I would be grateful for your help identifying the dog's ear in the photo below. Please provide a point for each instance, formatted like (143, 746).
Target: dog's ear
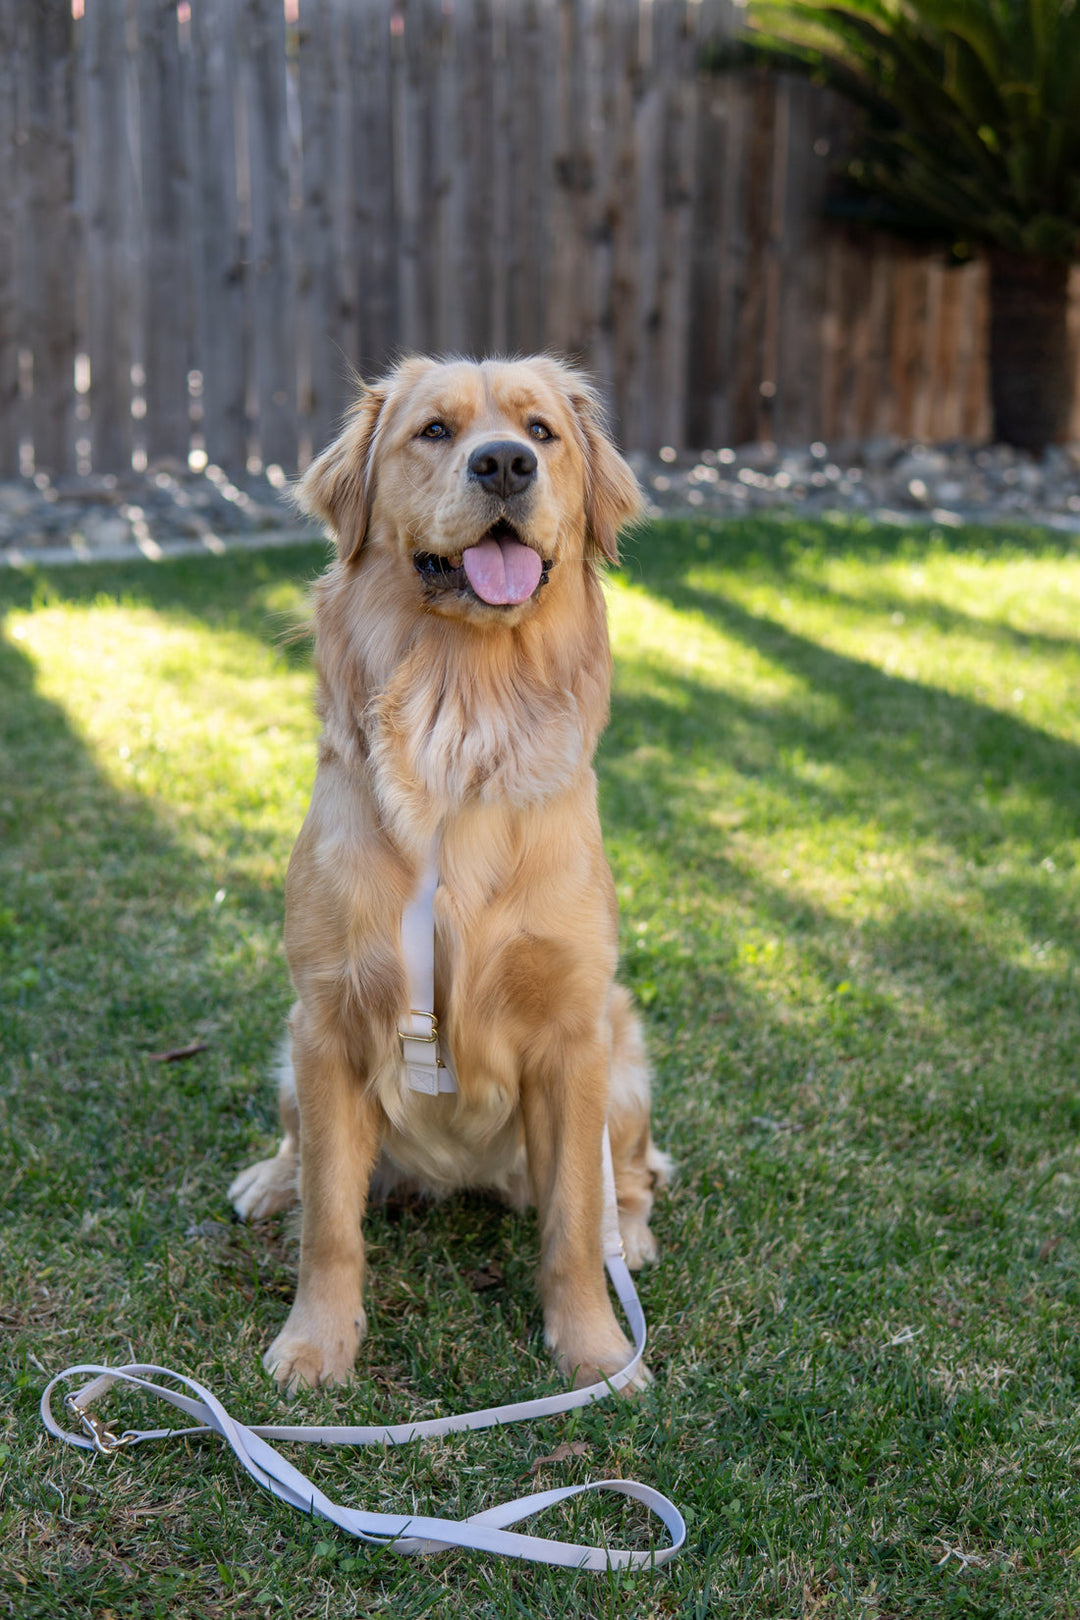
(339, 486)
(612, 497)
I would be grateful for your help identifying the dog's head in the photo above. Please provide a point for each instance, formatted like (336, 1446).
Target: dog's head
(480, 478)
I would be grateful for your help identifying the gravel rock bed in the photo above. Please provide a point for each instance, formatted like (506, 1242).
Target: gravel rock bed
(168, 510)
(172, 510)
(883, 479)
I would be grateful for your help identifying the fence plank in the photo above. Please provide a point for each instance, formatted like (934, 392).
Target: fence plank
(375, 222)
(476, 56)
(528, 165)
(857, 287)
(802, 168)
(452, 253)
(874, 397)
(621, 219)
(326, 304)
(265, 110)
(909, 309)
(923, 348)
(602, 67)
(10, 207)
(223, 334)
(638, 410)
(706, 358)
(968, 333)
(165, 123)
(408, 155)
(108, 190)
(503, 178)
(748, 245)
(540, 141)
(945, 359)
(677, 30)
(49, 161)
(344, 332)
(564, 326)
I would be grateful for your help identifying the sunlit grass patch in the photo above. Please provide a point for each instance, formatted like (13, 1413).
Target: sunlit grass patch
(197, 721)
(841, 793)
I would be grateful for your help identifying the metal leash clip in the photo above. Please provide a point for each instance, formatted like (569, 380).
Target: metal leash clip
(105, 1441)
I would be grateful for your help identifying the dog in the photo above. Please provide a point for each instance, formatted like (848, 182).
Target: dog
(463, 682)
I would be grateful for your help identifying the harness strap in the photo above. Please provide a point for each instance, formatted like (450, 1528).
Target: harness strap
(425, 1069)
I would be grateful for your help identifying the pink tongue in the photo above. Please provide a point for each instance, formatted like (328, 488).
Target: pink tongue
(502, 571)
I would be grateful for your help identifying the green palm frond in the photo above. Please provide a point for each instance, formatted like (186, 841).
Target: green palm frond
(972, 108)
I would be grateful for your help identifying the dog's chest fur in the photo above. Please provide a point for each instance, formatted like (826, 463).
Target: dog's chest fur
(441, 717)
(472, 734)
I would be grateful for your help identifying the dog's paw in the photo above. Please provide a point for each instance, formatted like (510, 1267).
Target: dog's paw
(264, 1189)
(591, 1359)
(639, 1245)
(641, 1380)
(596, 1370)
(303, 1356)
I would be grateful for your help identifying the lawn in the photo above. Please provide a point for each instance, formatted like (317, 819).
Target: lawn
(841, 794)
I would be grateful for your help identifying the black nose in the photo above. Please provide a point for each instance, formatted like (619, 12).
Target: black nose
(504, 467)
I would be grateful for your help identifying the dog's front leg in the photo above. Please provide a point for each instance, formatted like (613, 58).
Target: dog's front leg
(564, 1107)
(339, 1143)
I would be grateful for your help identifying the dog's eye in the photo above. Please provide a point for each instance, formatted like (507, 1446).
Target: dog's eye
(434, 430)
(537, 430)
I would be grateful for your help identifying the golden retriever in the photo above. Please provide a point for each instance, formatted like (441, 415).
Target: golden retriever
(464, 671)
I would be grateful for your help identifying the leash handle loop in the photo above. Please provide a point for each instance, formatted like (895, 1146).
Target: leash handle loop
(481, 1532)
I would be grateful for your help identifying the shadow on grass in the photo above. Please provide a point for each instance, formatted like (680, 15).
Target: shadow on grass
(112, 948)
(785, 553)
(918, 611)
(899, 708)
(259, 593)
(943, 966)
(782, 543)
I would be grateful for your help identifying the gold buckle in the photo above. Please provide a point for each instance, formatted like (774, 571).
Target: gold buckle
(428, 1040)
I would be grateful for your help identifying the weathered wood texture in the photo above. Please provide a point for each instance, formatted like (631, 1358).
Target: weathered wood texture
(108, 197)
(216, 212)
(12, 425)
(165, 194)
(48, 285)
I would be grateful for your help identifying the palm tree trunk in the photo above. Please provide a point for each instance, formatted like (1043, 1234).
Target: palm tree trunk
(1032, 371)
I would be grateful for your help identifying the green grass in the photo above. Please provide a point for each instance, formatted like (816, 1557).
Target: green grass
(841, 792)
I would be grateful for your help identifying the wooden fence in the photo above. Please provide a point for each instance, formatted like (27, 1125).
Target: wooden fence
(212, 211)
